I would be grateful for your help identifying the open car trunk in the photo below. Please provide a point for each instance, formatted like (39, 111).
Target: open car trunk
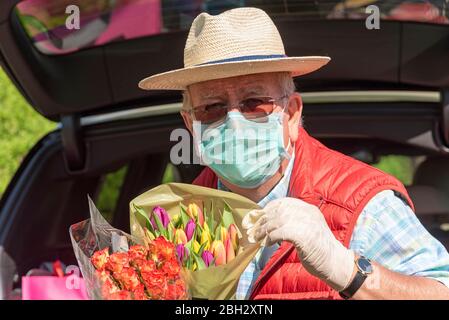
(384, 92)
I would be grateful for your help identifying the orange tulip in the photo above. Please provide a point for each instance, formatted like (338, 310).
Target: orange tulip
(180, 237)
(219, 252)
(230, 254)
(232, 231)
(200, 217)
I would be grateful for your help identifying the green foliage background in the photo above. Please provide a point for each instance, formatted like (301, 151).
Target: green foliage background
(20, 128)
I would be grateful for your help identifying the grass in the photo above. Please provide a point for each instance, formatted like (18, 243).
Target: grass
(21, 127)
(399, 166)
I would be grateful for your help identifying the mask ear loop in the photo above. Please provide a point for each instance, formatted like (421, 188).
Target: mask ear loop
(285, 152)
(197, 137)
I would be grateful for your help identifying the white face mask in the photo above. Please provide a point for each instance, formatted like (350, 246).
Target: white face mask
(243, 152)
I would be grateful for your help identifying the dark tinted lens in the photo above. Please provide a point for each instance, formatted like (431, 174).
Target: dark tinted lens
(260, 105)
(210, 113)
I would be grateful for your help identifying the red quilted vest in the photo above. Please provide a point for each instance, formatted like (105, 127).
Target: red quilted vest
(341, 187)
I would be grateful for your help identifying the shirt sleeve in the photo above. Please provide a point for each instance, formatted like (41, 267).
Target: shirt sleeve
(388, 232)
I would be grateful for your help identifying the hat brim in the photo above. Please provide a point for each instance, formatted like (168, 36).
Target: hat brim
(180, 79)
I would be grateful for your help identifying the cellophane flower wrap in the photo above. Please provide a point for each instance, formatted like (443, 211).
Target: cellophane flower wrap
(118, 266)
(205, 225)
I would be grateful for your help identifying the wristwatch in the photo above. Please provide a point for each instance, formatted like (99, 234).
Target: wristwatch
(364, 269)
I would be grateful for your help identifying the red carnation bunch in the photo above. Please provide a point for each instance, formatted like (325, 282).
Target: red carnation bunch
(141, 273)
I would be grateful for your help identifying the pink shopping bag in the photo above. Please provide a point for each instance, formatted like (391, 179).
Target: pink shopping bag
(53, 288)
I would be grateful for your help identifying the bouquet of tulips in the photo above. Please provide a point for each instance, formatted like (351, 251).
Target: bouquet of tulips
(204, 224)
(185, 242)
(200, 240)
(118, 266)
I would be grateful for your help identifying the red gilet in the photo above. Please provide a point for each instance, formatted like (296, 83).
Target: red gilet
(341, 187)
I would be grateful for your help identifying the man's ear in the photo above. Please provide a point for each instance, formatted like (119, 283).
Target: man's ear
(187, 120)
(295, 113)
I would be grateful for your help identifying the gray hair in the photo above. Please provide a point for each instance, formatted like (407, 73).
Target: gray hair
(286, 83)
(284, 80)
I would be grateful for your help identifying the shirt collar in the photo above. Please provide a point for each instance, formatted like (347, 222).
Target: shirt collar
(280, 190)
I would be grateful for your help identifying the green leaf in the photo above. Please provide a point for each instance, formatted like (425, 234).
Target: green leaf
(199, 262)
(200, 251)
(189, 261)
(189, 244)
(149, 235)
(177, 223)
(170, 232)
(184, 216)
(143, 215)
(195, 233)
(217, 233)
(198, 231)
(227, 219)
(211, 223)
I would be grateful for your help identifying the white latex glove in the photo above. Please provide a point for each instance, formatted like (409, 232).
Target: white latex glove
(303, 224)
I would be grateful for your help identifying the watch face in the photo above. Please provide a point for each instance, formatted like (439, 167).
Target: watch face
(365, 265)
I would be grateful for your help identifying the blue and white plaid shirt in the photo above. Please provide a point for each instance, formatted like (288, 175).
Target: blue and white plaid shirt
(387, 231)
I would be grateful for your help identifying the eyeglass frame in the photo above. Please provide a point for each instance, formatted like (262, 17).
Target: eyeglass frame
(228, 107)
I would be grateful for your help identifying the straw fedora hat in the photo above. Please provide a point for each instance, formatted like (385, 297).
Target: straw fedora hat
(236, 42)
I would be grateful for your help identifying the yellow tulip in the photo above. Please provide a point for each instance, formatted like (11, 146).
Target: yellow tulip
(223, 234)
(205, 239)
(196, 246)
(192, 210)
(195, 213)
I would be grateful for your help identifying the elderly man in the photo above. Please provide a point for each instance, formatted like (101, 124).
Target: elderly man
(331, 226)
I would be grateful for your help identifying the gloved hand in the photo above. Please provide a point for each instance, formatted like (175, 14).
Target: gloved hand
(303, 224)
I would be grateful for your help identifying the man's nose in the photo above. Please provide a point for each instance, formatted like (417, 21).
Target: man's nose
(233, 107)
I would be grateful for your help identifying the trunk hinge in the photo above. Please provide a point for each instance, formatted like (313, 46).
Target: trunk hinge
(73, 143)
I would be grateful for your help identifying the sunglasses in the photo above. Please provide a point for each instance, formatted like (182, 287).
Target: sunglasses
(252, 108)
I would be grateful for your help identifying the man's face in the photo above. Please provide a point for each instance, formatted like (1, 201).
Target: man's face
(232, 91)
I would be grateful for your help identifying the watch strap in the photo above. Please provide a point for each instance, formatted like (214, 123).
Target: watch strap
(355, 285)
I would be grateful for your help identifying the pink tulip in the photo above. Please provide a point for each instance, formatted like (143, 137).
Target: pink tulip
(219, 252)
(207, 257)
(162, 215)
(182, 252)
(230, 254)
(190, 229)
(232, 231)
